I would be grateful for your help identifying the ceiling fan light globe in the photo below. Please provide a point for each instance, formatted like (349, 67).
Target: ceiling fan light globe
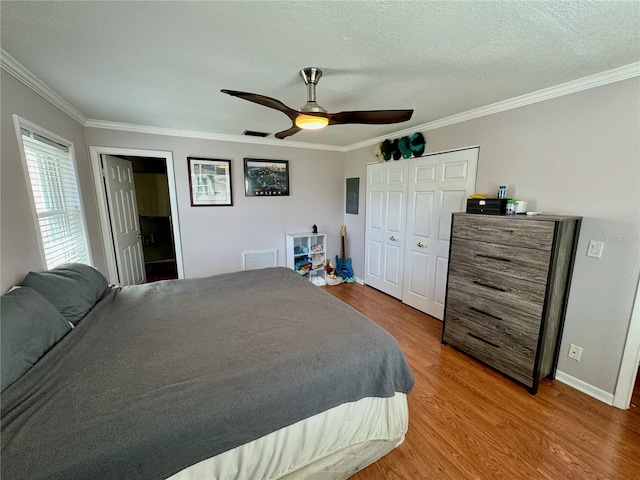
(311, 122)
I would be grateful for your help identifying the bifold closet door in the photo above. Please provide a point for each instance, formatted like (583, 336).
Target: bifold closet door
(385, 226)
(438, 185)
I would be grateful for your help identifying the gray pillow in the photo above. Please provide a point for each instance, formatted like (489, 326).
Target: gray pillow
(73, 288)
(30, 327)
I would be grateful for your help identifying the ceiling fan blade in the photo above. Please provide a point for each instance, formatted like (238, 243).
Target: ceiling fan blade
(265, 101)
(371, 117)
(287, 133)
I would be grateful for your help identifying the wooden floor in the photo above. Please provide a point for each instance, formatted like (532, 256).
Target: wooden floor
(467, 421)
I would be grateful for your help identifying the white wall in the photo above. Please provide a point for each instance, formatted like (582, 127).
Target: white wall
(19, 250)
(580, 155)
(214, 237)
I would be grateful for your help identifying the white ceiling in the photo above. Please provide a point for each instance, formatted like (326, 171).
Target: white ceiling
(162, 64)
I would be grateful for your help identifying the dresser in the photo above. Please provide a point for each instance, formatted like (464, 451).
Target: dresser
(507, 288)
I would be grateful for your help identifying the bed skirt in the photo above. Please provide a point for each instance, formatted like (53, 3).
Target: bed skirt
(333, 444)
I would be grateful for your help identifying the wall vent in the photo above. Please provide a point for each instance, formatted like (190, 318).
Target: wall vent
(259, 259)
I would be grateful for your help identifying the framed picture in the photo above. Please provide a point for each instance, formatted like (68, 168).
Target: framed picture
(266, 178)
(210, 182)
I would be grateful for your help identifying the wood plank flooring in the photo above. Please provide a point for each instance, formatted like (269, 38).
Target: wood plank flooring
(467, 421)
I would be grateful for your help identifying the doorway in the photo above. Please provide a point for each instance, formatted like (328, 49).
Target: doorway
(628, 375)
(156, 217)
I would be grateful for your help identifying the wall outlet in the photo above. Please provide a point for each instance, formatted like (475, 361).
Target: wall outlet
(575, 352)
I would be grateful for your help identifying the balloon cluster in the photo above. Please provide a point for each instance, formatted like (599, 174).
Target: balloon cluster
(398, 148)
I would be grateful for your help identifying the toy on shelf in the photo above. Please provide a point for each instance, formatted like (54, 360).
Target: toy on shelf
(298, 249)
(317, 261)
(303, 265)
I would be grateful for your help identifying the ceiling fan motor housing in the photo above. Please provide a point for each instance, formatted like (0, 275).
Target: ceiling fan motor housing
(311, 75)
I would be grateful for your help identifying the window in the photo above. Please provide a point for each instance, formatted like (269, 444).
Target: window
(54, 187)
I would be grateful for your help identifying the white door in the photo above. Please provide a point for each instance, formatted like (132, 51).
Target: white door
(385, 226)
(438, 186)
(125, 224)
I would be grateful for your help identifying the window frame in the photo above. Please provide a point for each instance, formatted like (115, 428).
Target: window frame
(20, 124)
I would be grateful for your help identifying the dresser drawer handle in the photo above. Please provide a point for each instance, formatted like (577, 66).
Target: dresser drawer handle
(483, 340)
(488, 285)
(492, 257)
(485, 313)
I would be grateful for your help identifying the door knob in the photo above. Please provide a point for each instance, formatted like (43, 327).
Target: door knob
(393, 239)
(421, 245)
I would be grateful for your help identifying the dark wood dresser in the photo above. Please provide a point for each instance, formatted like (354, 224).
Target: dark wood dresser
(507, 290)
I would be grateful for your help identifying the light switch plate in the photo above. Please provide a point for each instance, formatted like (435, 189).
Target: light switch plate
(595, 249)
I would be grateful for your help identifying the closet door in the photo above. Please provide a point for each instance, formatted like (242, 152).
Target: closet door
(385, 226)
(438, 186)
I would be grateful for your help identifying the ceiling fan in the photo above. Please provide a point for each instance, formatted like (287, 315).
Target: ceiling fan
(312, 116)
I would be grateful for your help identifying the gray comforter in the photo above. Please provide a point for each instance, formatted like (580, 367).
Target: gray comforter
(160, 376)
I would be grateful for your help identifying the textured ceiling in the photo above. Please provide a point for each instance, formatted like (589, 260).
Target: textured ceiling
(162, 64)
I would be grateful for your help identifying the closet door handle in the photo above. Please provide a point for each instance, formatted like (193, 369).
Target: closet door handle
(421, 245)
(393, 239)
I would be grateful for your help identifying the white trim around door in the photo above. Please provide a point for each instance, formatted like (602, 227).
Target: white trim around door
(95, 154)
(630, 359)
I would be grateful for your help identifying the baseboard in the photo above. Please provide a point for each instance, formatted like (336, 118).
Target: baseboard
(584, 387)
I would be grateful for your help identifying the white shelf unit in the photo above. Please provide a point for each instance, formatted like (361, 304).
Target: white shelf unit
(311, 245)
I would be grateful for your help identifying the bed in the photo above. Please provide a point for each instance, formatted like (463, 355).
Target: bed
(247, 375)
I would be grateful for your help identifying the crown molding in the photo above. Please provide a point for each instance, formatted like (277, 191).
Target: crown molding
(174, 132)
(585, 83)
(16, 69)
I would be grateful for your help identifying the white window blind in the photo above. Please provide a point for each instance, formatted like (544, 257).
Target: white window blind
(57, 200)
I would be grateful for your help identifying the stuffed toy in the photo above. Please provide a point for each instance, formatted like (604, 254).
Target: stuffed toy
(377, 151)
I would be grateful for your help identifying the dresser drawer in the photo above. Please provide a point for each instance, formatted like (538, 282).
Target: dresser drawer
(519, 262)
(519, 232)
(519, 328)
(516, 363)
(516, 293)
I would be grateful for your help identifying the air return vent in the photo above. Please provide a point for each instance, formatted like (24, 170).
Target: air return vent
(253, 133)
(259, 259)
